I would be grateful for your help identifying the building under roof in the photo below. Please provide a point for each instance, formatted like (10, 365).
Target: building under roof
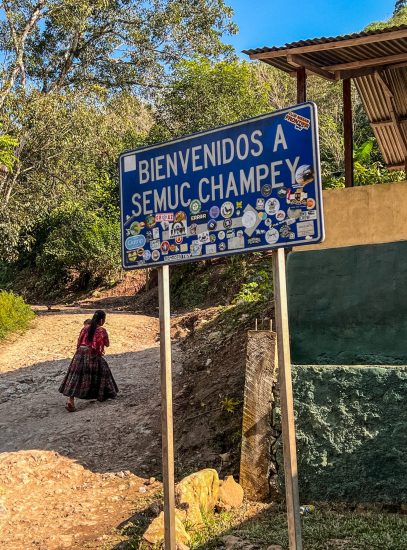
(377, 62)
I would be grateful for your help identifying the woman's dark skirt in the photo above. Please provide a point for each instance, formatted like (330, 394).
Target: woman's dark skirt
(89, 377)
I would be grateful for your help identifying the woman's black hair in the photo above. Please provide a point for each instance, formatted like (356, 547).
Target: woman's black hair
(98, 316)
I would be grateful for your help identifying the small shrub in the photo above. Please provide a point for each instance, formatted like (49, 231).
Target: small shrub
(15, 314)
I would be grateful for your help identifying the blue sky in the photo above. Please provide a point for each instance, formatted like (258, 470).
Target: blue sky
(275, 22)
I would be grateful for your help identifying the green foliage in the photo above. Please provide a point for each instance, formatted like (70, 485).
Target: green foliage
(82, 242)
(204, 94)
(15, 314)
(398, 18)
(230, 404)
(7, 146)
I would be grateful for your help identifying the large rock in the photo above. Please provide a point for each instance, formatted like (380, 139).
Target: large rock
(197, 494)
(154, 536)
(230, 494)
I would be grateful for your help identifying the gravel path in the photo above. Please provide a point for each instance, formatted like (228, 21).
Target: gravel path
(51, 459)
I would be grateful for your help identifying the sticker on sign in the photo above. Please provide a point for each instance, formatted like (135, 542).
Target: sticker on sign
(258, 180)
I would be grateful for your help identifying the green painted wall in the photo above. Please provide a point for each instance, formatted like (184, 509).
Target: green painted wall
(349, 305)
(351, 433)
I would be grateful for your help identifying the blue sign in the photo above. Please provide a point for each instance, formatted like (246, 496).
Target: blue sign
(252, 185)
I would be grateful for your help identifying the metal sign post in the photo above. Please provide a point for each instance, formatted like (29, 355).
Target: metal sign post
(286, 400)
(249, 186)
(166, 408)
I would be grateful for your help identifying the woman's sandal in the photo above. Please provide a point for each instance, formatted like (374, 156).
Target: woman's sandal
(70, 408)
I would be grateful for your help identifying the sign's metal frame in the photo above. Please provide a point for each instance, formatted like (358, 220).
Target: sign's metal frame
(296, 242)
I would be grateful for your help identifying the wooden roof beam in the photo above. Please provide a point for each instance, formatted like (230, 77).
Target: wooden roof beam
(360, 63)
(334, 45)
(301, 61)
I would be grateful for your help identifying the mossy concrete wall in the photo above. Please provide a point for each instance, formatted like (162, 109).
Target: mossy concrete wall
(351, 433)
(349, 305)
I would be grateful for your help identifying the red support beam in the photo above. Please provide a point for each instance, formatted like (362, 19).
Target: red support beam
(301, 85)
(348, 132)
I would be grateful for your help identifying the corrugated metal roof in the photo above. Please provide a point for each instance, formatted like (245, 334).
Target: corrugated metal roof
(379, 68)
(322, 40)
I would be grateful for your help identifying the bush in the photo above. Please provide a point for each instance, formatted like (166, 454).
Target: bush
(81, 241)
(15, 314)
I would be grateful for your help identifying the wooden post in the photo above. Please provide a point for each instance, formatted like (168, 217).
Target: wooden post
(348, 131)
(166, 408)
(301, 85)
(286, 399)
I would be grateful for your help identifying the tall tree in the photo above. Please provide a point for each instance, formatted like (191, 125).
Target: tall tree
(399, 5)
(54, 44)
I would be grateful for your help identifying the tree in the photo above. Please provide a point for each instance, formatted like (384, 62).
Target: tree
(55, 44)
(400, 4)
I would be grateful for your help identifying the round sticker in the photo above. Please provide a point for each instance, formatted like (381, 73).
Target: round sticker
(212, 238)
(212, 225)
(222, 246)
(282, 192)
(266, 190)
(227, 209)
(135, 228)
(239, 233)
(227, 224)
(272, 236)
(180, 217)
(272, 206)
(155, 255)
(173, 247)
(304, 174)
(280, 215)
(294, 213)
(249, 219)
(150, 221)
(195, 206)
(147, 255)
(310, 204)
(221, 235)
(267, 222)
(214, 212)
(165, 246)
(140, 252)
(179, 239)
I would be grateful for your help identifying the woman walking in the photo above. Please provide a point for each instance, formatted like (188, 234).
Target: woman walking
(89, 375)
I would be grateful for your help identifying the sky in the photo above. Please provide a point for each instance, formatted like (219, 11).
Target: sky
(276, 22)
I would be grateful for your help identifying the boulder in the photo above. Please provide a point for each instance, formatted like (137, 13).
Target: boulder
(230, 494)
(154, 536)
(197, 494)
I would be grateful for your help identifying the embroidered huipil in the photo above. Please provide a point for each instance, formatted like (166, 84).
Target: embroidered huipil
(99, 342)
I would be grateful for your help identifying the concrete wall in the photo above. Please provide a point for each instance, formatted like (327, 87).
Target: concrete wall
(351, 434)
(348, 295)
(364, 215)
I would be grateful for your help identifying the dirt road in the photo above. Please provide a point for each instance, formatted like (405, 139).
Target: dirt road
(57, 488)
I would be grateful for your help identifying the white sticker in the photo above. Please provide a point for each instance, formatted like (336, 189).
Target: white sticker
(308, 215)
(227, 209)
(272, 236)
(155, 245)
(280, 215)
(221, 235)
(156, 233)
(249, 219)
(236, 243)
(204, 237)
(210, 249)
(272, 206)
(305, 228)
(178, 229)
(129, 163)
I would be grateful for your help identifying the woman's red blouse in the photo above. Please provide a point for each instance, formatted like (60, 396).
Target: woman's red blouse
(99, 342)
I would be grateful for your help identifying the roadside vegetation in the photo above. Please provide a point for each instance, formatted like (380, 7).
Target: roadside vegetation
(15, 314)
(69, 107)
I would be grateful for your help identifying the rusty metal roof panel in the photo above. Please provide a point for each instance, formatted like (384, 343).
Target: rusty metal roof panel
(390, 135)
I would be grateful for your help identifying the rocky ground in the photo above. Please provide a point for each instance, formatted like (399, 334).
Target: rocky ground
(67, 478)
